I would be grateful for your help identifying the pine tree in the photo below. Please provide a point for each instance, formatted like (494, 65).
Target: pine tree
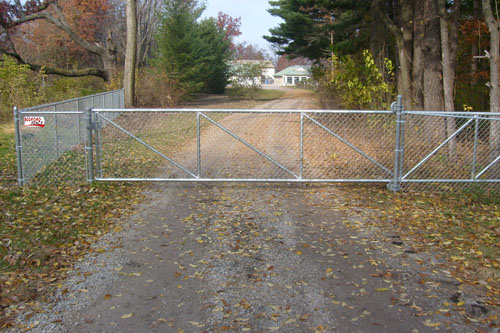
(193, 54)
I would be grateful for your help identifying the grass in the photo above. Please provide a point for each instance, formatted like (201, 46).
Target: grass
(44, 230)
(260, 95)
(8, 171)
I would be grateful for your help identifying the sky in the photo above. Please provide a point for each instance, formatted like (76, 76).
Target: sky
(255, 20)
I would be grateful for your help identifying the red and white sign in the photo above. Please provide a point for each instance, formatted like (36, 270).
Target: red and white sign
(34, 122)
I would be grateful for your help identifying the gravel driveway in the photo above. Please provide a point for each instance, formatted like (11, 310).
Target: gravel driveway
(257, 258)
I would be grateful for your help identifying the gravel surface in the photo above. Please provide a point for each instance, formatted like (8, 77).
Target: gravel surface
(265, 257)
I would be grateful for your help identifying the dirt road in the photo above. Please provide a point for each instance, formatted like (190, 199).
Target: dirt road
(258, 258)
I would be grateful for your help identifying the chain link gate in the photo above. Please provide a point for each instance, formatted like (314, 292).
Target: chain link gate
(400, 148)
(243, 145)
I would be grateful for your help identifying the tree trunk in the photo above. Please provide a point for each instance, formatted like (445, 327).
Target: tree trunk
(448, 73)
(418, 58)
(404, 77)
(378, 37)
(474, 47)
(130, 53)
(493, 27)
(433, 87)
(406, 68)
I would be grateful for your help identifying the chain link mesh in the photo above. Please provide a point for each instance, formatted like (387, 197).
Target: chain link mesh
(246, 145)
(54, 154)
(349, 146)
(274, 145)
(463, 157)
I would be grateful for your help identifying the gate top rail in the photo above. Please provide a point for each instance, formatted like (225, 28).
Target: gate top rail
(244, 111)
(452, 113)
(43, 106)
(49, 112)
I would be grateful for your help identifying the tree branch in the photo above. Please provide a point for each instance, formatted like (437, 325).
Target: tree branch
(61, 23)
(58, 71)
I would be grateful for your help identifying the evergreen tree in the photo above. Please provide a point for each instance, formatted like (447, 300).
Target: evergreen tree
(213, 56)
(176, 40)
(312, 27)
(193, 54)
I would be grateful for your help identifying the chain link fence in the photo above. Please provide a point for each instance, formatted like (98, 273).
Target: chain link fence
(50, 139)
(446, 151)
(405, 149)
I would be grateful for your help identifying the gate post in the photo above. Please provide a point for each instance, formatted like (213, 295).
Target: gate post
(397, 108)
(88, 146)
(19, 148)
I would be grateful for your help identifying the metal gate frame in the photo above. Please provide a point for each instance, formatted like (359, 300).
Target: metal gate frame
(472, 117)
(96, 116)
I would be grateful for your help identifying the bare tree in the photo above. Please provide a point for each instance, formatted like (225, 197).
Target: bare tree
(493, 27)
(403, 34)
(148, 21)
(449, 41)
(130, 53)
(147, 25)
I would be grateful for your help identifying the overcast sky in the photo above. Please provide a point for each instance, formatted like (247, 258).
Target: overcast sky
(255, 20)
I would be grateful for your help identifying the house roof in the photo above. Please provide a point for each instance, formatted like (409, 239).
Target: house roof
(294, 71)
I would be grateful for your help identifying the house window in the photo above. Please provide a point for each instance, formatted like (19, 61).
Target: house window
(289, 80)
(296, 80)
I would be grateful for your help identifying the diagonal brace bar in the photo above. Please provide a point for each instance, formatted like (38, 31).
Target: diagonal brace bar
(149, 146)
(487, 168)
(249, 146)
(356, 149)
(438, 148)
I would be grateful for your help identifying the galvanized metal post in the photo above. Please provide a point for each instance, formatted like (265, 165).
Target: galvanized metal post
(476, 138)
(198, 145)
(56, 138)
(397, 108)
(19, 148)
(301, 167)
(79, 108)
(98, 145)
(88, 146)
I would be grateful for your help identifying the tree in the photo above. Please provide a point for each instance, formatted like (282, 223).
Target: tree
(212, 56)
(403, 35)
(148, 22)
(244, 51)
(285, 61)
(130, 54)
(15, 15)
(176, 42)
(193, 53)
(493, 27)
(310, 27)
(449, 42)
(246, 79)
(230, 26)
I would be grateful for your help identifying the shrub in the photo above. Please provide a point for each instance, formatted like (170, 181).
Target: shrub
(357, 83)
(19, 86)
(155, 88)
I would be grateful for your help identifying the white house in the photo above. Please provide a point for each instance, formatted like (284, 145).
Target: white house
(267, 70)
(290, 76)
